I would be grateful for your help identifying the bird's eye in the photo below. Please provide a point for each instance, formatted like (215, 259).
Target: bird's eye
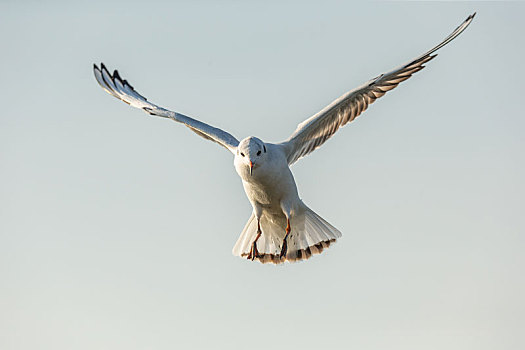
(242, 154)
(259, 153)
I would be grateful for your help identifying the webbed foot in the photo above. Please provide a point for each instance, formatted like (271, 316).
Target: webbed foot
(284, 249)
(254, 253)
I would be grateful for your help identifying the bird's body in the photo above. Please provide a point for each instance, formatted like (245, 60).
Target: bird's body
(270, 183)
(270, 187)
(281, 227)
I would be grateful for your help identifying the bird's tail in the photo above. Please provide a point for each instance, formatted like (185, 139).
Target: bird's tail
(310, 234)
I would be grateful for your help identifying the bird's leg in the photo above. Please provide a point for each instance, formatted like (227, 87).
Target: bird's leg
(284, 248)
(254, 253)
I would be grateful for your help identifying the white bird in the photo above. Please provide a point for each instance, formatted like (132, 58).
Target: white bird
(281, 227)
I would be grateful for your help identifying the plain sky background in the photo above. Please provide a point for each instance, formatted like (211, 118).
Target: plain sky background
(116, 228)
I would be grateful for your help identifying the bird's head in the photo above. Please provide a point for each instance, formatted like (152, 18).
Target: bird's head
(251, 152)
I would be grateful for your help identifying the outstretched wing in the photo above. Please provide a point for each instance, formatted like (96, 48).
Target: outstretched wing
(121, 89)
(314, 131)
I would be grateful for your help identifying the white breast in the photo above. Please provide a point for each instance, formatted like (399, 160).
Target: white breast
(270, 182)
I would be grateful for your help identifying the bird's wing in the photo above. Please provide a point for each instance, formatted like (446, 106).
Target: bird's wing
(314, 131)
(121, 89)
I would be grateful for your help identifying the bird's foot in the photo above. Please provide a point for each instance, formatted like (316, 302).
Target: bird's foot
(254, 253)
(284, 249)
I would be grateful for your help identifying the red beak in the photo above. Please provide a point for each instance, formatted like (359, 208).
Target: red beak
(251, 168)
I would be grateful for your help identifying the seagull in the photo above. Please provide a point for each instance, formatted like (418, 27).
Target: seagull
(281, 227)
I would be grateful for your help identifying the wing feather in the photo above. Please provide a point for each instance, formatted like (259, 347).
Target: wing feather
(314, 131)
(121, 89)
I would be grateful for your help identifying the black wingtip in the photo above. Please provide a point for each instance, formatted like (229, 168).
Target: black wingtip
(125, 82)
(148, 110)
(116, 75)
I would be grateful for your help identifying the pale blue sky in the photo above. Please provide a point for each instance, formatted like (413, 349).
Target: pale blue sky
(116, 228)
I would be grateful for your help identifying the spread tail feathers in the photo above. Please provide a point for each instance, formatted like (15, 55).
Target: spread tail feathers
(310, 234)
